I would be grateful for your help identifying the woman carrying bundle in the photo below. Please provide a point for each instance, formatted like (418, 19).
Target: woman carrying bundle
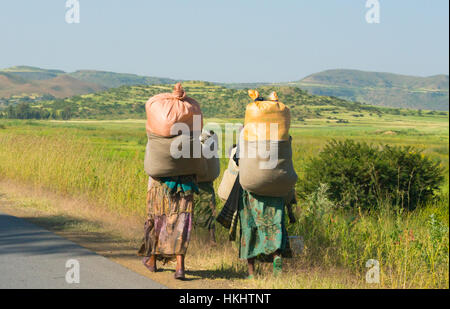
(172, 183)
(261, 191)
(266, 188)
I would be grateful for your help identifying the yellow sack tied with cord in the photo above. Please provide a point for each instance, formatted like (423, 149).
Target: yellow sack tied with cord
(259, 116)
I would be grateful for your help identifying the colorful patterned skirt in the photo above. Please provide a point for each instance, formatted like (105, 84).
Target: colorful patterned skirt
(263, 230)
(168, 226)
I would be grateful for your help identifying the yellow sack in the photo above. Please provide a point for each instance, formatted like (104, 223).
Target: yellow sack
(266, 112)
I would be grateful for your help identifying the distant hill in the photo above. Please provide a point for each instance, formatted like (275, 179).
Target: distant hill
(113, 80)
(216, 101)
(27, 80)
(383, 89)
(31, 73)
(61, 86)
(243, 85)
(373, 88)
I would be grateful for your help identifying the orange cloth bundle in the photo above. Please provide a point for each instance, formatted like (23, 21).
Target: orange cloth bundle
(266, 112)
(166, 109)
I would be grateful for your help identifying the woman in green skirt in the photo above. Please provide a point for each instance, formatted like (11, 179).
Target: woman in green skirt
(263, 232)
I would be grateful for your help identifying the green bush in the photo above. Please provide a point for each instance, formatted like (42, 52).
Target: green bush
(362, 175)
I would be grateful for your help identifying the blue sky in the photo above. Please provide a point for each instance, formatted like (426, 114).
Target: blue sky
(227, 40)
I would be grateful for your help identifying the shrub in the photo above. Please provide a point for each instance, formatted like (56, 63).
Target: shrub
(362, 175)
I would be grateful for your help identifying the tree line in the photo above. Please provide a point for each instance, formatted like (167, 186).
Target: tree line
(24, 110)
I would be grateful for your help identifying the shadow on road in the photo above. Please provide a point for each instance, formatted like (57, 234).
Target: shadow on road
(17, 236)
(216, 274)
(29, 236)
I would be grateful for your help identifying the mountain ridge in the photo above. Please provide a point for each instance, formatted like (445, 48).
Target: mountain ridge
(373, 88)
(380, 88)
(61, 86)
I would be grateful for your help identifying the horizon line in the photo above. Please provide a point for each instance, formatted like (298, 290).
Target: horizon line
(228, 82)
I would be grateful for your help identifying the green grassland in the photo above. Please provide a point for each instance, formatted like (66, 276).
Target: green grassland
(103, 162)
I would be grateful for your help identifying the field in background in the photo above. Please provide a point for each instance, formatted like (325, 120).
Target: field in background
(103, 162)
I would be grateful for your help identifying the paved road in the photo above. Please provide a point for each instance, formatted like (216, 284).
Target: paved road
(32, 257)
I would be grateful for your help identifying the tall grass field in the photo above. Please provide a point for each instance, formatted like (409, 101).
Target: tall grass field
(103, 162)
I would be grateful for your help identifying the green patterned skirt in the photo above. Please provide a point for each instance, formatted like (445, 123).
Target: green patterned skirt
(263, 230)
(205, 206)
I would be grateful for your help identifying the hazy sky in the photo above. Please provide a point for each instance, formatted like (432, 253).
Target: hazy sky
(227, 40)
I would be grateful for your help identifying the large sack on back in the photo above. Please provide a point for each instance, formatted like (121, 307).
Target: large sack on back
(166, 109)
(266, 112)
(229, 178)
(159, 162)
(209, 141)
(258, 175)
